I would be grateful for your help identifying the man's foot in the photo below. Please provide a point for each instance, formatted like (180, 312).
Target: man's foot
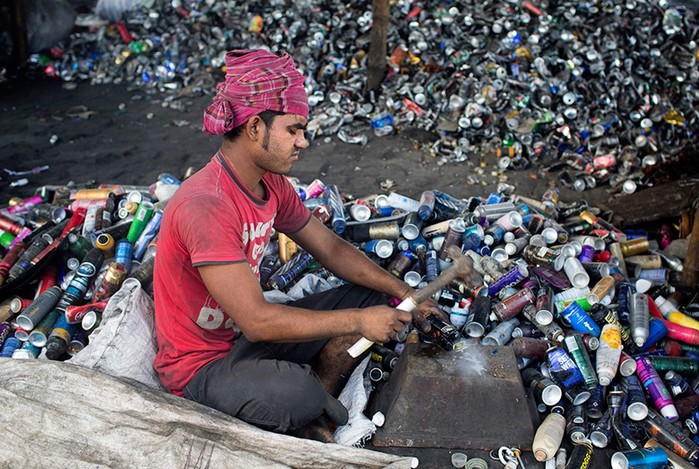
(316, 430)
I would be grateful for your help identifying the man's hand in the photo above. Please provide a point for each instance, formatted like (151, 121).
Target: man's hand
(382, 323)
(424, 309)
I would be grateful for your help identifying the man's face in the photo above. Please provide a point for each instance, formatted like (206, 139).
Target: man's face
(281, 142)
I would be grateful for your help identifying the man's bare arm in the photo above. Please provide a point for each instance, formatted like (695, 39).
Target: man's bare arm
(346, 261)
(238, 292)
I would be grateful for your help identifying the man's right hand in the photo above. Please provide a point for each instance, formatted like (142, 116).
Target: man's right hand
(382, 323)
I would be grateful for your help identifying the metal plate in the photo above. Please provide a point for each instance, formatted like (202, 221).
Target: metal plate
(471, 399)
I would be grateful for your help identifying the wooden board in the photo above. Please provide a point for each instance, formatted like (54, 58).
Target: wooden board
(654, 203)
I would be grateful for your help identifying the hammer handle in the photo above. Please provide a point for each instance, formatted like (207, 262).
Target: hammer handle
(362, 345)
(408, 304)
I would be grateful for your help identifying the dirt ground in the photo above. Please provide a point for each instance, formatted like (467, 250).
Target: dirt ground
(110, 135)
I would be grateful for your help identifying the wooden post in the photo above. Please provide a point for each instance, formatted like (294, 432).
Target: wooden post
(376, 61)
(20, 50)
(690, 272)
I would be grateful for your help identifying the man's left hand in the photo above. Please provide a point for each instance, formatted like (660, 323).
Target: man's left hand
(424, 309)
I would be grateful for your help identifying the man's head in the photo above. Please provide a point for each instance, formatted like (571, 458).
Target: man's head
(264, 101)
(256, 81)
(270, 140)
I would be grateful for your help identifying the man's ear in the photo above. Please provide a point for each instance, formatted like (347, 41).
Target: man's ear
(253, 127)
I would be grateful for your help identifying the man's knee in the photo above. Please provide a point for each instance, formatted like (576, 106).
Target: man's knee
(304, 398)
(289, 400)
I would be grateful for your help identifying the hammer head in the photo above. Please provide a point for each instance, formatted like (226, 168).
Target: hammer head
(463, 266)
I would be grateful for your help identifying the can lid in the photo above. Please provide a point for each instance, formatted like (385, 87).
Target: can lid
(58, 214)
(599, 244)
(515, 218)
(627, 367)
(569, 250)
(412, 278)
(550, 235)
(599, 439)
(581, 398)
(38, 339)
(16, 305)
(541, 455)
(670, 413)
(410, 231)
(22, 334)
(72, 263)
(90, 320)
(379, 419)
(134, 196)
(592, 298)
(475, 329)
(500, 255)
(629, 186)
(383, 248)
(360, 212)
(544, 317)
(24, 322)
(381, 201)
(551, 395)
(578, 436)
(580, 280)
(619, 461)
(637, 411)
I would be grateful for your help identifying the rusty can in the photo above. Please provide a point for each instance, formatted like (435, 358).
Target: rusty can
(401, 263)
(512, 305)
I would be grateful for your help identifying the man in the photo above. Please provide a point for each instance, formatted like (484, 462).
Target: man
(220, 343)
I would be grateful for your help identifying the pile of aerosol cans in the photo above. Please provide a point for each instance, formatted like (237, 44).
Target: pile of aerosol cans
(608, 357)
(602, 92)
(610, 360)
(66, 252)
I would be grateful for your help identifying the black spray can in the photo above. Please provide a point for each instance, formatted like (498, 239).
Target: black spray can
(480, 312)
(581, 456)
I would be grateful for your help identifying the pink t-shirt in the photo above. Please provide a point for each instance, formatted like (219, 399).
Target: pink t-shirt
(212, 219)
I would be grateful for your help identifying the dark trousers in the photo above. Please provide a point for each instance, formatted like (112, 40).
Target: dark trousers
(272, 385)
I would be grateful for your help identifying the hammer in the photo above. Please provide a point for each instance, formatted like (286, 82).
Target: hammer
(461, 266)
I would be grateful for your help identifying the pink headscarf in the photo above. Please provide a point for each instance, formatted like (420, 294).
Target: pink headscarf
(256, 81)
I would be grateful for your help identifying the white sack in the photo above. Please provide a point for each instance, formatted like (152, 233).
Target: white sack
(60, 415)
(354, 397)
(124, 343)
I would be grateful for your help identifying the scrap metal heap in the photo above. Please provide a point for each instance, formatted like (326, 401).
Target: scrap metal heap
(587, 309)
(598, 92)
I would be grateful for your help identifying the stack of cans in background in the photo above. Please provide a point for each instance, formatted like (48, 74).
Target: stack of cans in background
(603, 92)
(586, 307)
